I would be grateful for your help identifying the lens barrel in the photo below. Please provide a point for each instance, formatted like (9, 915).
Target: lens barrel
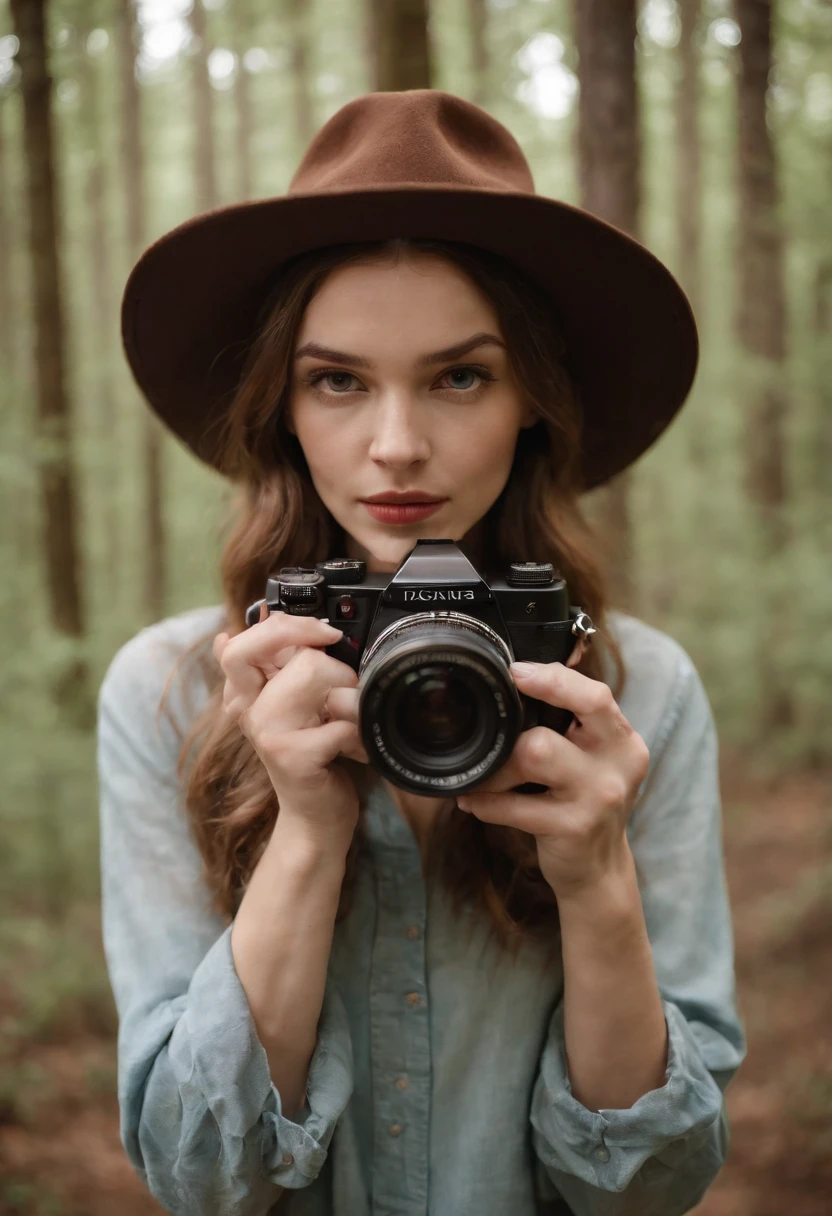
(438, 709)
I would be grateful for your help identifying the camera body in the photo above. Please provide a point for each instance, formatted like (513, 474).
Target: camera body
(438, 708)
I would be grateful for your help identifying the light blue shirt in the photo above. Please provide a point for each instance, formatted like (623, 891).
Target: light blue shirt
(438, 1085)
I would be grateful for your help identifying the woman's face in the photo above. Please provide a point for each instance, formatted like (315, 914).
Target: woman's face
(402, 383)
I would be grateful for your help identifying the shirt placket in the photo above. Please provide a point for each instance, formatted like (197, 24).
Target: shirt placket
(399, 1028)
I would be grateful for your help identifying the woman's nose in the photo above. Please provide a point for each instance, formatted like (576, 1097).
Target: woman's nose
(399, 436)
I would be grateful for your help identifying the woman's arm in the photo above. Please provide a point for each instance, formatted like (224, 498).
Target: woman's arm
(627, 1141)
(281, 941)
(615, 804)
(202, 1120)
(614, 1025)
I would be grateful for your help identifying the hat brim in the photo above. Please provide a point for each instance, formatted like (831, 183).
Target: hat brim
(191, 301)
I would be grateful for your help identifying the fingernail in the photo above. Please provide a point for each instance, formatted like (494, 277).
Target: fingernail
(523, 669)
(462, 803)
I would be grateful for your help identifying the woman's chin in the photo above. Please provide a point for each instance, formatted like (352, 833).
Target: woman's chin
(385, 551)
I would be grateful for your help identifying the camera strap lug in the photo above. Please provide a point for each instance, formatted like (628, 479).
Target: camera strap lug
(582, 627)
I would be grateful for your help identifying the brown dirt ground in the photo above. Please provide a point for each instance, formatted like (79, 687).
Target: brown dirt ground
(778, 845)
(65, 1158)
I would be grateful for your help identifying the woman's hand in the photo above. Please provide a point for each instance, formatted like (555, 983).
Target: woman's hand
(593, 773)
(299, 708)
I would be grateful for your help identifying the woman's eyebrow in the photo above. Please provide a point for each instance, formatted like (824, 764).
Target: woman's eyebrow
(460, 349)
(313, 350)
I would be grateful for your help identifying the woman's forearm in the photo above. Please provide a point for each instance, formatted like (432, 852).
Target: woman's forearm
(281, 941)
(614, 1024)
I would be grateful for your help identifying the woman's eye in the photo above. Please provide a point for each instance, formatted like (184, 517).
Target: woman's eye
(338, 382)
(462, 379)
(466, 378)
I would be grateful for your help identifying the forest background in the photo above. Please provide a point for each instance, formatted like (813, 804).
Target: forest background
(703, 127)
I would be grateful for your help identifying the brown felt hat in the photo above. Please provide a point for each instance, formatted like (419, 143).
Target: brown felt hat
(421, 164)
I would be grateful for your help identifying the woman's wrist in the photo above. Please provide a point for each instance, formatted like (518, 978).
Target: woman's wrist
(306, 845)
(610, 888)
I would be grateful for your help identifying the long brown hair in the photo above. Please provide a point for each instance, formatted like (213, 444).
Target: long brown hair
(280, 520)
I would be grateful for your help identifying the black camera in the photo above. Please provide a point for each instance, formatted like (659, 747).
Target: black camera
(438, 708)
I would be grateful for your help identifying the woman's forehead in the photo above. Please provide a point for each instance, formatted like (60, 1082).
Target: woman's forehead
(426, 303)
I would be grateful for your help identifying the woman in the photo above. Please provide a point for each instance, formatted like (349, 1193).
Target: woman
(336, 996)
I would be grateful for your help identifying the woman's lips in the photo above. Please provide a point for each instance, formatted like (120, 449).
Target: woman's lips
(402, 513)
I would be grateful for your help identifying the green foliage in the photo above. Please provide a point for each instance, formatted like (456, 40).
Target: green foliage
(60, 987)
(24, 1198)
(23, 1085)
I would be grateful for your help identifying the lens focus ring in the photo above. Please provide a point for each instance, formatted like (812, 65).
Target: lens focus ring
(457, 619)
(438, 710)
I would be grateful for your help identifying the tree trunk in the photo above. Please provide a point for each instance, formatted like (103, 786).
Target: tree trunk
(761, 326)
(205, 172)
(301, 88)
(6, 305)
(56, 471)
(609, 166)
(761, 318)
(401, 45)
(689, 180)
(20, 522)
(688, 154)
(154, 583)
(98, 244)
(240, 15)
(480, 64)
(820, 457)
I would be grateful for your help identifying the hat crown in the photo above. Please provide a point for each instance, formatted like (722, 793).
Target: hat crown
(419, 137)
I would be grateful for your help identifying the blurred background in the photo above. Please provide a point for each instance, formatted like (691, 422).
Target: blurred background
(703, 127)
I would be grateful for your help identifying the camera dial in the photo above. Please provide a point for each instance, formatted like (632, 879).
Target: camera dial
(342, 570)
(300, 590)
(530, 574)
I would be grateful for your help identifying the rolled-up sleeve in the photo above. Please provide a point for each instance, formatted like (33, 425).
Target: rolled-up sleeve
(658, 1157)
(201, 1121)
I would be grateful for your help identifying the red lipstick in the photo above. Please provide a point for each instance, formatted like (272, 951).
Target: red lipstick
(402, 506)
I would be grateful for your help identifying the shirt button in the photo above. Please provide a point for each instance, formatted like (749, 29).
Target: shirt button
(413, 998)
(413, 932)
(394, 1129)
(602, 1153)
(287, 1158)
(402, 1082)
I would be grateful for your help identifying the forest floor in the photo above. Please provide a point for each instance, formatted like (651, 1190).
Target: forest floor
(60, 1153)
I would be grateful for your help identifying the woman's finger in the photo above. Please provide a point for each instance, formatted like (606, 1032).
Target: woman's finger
(248, 658)
(526, 814)
(599, 721)
(578, 651)
(343, 703)
(342, 706)
(543, 756)
(295, 697)
(355, 750)
(295, 758)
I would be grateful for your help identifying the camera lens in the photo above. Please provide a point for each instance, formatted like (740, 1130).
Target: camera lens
(438, 710)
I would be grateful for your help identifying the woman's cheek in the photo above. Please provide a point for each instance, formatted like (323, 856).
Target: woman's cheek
(490, 463)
